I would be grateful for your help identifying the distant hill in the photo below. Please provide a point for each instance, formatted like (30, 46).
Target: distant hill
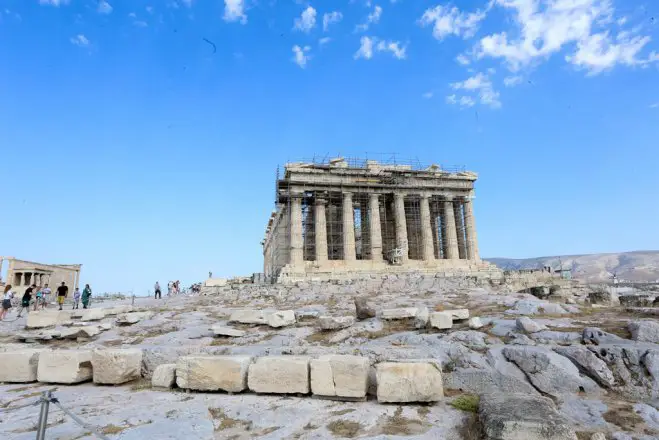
(637, 266)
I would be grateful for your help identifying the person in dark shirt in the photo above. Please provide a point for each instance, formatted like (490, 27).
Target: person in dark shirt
(62, 291)
(25, 301)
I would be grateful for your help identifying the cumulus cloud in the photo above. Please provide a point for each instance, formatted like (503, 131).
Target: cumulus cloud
(55, 3)
(428, 95)
(331, 18)
(480, 85)
(369, 45)
(512, 81)
(306, 21)
(448, 20)
(372, 18)
(462, 60)
(234, 10)
(104, 7)
(79, 40)
(323, 41)
(301, 55)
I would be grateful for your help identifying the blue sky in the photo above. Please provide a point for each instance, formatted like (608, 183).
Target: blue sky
(133, 146)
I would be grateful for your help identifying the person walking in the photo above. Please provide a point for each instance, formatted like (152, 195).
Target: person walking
(86, 296)
(6, 301)
(76, 298)
(38, 299)
(62, 291)
(25, 301)
(45, 296)
(158, 293)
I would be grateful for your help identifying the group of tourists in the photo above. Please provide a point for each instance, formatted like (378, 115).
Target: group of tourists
(173, 288)
(42, 298)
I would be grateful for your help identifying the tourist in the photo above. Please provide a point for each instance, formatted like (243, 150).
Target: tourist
(25, 301)
(62, 291)
(86, 296)
(45, 296)
(170, 286)
(39, 298)
(158, 294)
(76, 298)
(6, 301)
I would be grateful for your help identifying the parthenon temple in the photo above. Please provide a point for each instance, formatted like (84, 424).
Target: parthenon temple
(343, 217)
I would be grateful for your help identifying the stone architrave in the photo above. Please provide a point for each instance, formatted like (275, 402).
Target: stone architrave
(340, 376)
(409, 382)
(116, 366)
(65, 366)
(279, 374)
(213, 373)
(19, 366)
(349, 251)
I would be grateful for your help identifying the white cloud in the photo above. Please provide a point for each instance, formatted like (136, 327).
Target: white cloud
(467, 101)
(323, 41)
(512, 81)
(307, 20)
(104, 7)
(234, 10)
(370, 44)
(448, 20)
(372, 18)
(462, 60)
(331, 18)
(451, 99)
(300, 55)
(548, 27)
(428, 95)
(55, 3)
(140, 23)
(480, 84)
(79, 40)
(655, 105)
(149, 9)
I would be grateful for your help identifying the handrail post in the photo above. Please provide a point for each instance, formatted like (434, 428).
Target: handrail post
(43, 415)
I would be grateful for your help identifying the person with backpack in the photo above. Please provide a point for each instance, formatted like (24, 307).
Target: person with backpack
(26, 300)
(6, 301)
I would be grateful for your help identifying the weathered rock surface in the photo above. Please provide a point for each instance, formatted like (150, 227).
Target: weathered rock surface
(549, 372)
(118, 310)
(365, 308)
(116, 366)
(645, 331)
(532, 307)
(637, 300)
(281, 318)
(335, 322)
(459, 314)
(409, 382)
(164, 376)
(340, 376)
(526, 324)
(220, 330)
(133, 318)
(475, 323)
(212, 373)
(522, 417)
(43, 319)
(402, 313)
(594, 335)
(589, 364)
(92, 314)
(279, 374)
(441, 320)
(19, 366)
(421, 317)
(603, 297)
(249, 317)
(64, 366)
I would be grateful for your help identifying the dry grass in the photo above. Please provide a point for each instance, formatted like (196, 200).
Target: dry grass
(466, 402)
(112, 429)
(344, 428)
(226, 422)
(341, 412)
(624, 417)
(472, 429)
(140, 385)
(400, 425)
(422, 411)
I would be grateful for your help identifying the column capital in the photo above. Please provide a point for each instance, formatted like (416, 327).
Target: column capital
(399, 194)
(347, 193)
(318, 201)
(448, 199)
(374, 196)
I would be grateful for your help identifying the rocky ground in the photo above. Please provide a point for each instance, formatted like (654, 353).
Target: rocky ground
(597, 363)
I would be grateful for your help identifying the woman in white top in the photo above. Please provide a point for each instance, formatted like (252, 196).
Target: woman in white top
(6, 301)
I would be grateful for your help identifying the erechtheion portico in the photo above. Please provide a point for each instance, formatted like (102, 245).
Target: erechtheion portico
(342, 217)
(21, 274)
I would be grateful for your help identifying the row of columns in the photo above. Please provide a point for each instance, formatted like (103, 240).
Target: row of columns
(457, 245)
(24, 281)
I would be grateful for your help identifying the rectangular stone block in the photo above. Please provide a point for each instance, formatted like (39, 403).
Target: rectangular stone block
(340, 376)
(164, 376)
(402, 313)
(409, 382)
(213, 373)
(459, 314)
(279, 374)
(19, 366)
(92, 315)
(116, 366)
(281, 318)
(441, 320)
(249, 317)
(65, 366)
(42, 319)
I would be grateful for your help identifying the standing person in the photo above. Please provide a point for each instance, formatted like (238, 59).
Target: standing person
(45, 296)
(38, 299)
(86, 296)
(62, 291)
(170, 285)
(6, 301)
(25, 301)
(158, 293)
(76, 298)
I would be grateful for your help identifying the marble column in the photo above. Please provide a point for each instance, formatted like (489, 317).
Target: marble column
(452, 252)
(460, 229)
(427, 247)
(320, 227)
(296, 251)
(27, 281)
(375, 230)
(401, 226)
(470, 226)
(349, 253)
(20, 279)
